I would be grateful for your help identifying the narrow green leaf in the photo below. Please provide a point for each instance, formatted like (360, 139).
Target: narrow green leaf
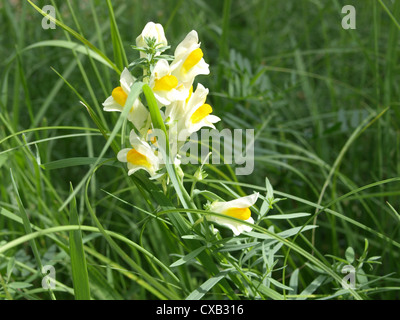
(19, 285)
(119, 52)
(136, 89)
(288, 216)
(188, 257)
(10, 267)
(78, 259)
(267, 291)
(78, 161)
(198, 293)
(312, 287)
(393, 18)
(236, 247)
(294, 280)
(279, 285)
(28, 230)
(284, 234)
(77, 36)
(72, 46)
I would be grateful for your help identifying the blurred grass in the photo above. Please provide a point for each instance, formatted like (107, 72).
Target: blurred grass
(285, 68)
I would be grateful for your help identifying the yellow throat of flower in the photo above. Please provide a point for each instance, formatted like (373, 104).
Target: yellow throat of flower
(119, 96)
(193, 59)
(190, 94)
(240, 213)
(165, 83)
(137, 158)
(201, 113)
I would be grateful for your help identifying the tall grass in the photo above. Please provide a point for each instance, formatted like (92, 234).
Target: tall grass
(325, 108)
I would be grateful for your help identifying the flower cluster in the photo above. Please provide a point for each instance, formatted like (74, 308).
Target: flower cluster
(172, 85)
(183, 108)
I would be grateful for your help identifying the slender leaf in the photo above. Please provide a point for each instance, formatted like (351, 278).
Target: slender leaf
(188, 257)
(78, 259)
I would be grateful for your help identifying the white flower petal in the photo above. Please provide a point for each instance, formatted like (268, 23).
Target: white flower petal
(135, 140)
(236, 227)
(200, 68)
(139, 115)
(182, 52)
(220, 207)
(121, 156)
(213, 119)
(111, 105)
(141, 146)
(198, 97)
(161, 69)
(163, 98)
(151, 30)
(133, 169)
(126, 80)
(191, 39)
(243, 202)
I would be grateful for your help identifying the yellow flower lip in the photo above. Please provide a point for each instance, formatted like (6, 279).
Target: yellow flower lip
(190, 94)
(240, 213)
(201, 113)
(137, 158)
(193, 59)
(119, 95)
(165, 83)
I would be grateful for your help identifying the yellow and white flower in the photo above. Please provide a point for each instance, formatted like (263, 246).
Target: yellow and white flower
(238, 208)
(165, 86)
(140, 157)
(189, 62)
(188, 116)
(151, 30)
(138, 113)
(197, 112)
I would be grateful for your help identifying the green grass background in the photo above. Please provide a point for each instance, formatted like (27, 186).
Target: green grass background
(324, 103)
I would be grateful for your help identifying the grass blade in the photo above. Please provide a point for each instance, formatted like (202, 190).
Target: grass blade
(133, 95)
(205, 287)
(78, 259)
(77, 36)
(188, 257)
(28, 230)
(119, 52)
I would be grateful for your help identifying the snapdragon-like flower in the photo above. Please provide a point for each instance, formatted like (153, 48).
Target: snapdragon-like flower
(192, 113)
(151, 31)
(197, 113)
(188, 116)
(140, 157)
(189, 62)
(238, 208)
(138, 113)
(165, 86)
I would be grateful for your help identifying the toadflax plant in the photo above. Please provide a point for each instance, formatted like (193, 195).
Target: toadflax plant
(174, 111)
